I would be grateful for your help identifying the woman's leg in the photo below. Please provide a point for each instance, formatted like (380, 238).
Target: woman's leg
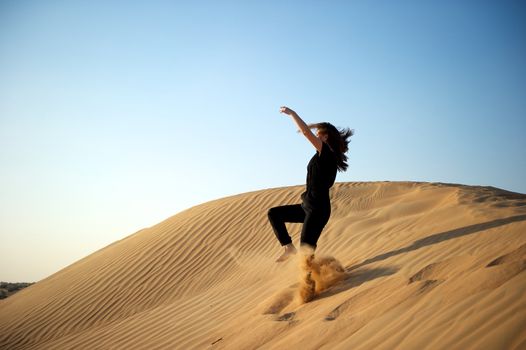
(315, 221)
(278, 216)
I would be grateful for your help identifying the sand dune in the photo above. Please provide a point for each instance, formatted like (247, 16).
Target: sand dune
(425, 265)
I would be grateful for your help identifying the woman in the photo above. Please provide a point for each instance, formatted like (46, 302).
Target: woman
(331, 145)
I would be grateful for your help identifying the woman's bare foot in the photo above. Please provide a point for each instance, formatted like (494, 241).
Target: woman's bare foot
(290, 250)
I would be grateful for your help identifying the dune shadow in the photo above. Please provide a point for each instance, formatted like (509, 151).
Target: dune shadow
(441, 237)
(357, 278)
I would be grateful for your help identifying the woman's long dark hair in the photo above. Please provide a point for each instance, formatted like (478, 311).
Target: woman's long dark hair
(338, 140)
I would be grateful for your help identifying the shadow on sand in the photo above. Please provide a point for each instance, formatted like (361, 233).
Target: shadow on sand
(441, 237)
(355, 279)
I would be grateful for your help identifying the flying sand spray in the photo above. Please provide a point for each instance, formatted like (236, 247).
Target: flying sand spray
(317, 274)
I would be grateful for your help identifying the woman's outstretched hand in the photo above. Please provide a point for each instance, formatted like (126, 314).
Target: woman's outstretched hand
(286, 110)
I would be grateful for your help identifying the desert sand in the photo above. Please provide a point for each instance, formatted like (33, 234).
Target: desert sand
(424, 266)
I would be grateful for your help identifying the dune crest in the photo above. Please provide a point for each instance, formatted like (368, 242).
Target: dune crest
(420, 265)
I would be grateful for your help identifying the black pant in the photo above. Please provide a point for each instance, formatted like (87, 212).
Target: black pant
(314, 220)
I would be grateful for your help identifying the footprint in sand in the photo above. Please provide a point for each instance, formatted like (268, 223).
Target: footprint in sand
(441, 270)
(281, 301)
(289, 317)
(463, 276)
(380, 299)
(447, 269)
(518, 254)
(429, 273)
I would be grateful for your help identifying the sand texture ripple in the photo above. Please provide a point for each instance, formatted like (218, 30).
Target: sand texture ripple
(400, 265)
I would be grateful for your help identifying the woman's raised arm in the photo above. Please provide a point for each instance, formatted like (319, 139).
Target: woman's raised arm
(303, 128)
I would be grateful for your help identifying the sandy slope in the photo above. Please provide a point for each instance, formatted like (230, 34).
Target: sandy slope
(428, 266)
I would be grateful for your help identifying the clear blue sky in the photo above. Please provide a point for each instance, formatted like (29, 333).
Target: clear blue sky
(115, 115)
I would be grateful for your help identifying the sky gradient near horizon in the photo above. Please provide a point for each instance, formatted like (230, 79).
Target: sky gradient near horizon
(116, 115)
